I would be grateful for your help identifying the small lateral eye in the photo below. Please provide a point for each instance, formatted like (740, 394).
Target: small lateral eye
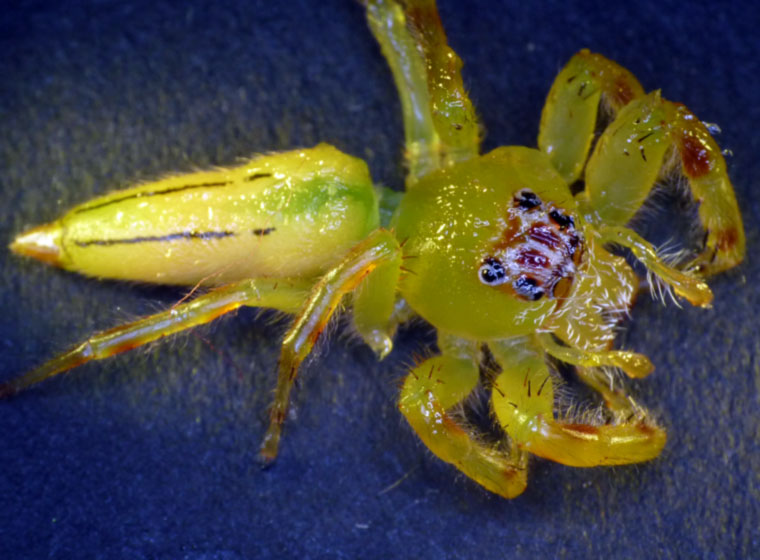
(492, 272)
(562, 220)
(527, 199)
(527, 287)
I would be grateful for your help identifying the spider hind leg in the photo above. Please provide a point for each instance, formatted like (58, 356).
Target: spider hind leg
(282, 294)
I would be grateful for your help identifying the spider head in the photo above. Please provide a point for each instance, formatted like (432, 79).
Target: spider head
(537, 252)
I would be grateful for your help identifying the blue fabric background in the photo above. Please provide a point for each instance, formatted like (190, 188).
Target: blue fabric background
(152, 454)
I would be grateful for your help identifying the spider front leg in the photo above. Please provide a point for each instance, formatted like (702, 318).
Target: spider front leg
(380, 253)
(569, 117)
(523, 400)
(629, 157)
(631, 154)
(282, 294)
(435, 386)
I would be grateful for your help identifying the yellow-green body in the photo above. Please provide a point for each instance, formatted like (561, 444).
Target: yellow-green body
(282, 215)
(450, 219)
(495, 251)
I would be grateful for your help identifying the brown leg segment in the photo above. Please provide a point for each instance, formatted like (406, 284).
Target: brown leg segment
(379, 248)
(628, 160)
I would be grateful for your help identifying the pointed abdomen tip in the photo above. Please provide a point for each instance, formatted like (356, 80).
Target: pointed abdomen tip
(42, 243)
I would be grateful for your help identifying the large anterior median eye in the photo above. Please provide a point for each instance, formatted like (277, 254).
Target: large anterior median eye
(492, 272)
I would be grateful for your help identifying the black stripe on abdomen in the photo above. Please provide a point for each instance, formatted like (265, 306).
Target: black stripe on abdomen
(170, 190)
(183, 235)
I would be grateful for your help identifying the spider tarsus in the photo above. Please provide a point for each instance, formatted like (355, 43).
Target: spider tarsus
(264, 461)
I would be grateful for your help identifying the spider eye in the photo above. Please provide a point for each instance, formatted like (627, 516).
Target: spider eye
(527, 287)
(562, 220)
(527, 199)
(492, 272)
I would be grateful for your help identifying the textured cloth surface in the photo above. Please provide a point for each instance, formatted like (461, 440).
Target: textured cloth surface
(152, 454)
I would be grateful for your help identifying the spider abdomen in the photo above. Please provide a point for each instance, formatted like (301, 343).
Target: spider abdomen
(281, 215)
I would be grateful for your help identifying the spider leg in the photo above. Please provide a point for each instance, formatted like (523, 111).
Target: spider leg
(283, 294)
(633, 364)
(435, 386)
(629, 158)
(440, 124)
(377, 249)
(621, 404)
(523, 400)
(569, 117)
(375, 305)
(689, 286)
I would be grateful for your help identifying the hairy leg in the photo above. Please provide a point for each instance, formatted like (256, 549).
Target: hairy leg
(633, 364)
(435, 386)
(523, 400)
(692, 288)
(283, 294)
(629, 158)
